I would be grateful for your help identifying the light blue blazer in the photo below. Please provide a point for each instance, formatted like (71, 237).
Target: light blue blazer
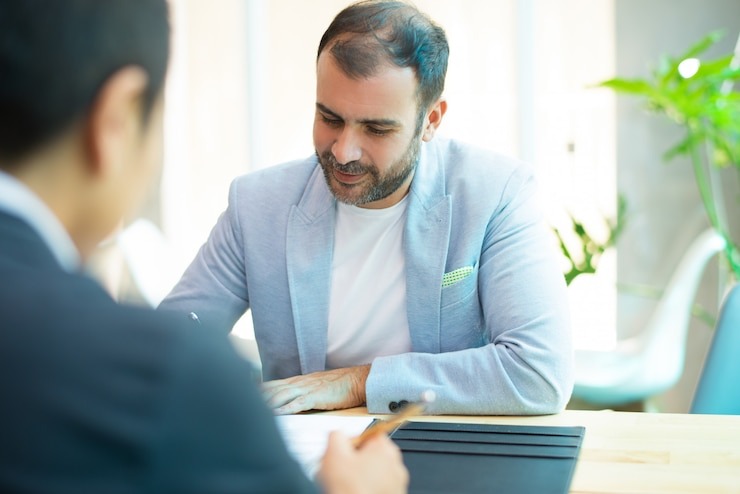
(496, 342)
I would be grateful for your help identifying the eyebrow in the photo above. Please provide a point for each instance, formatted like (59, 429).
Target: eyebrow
(382, 122)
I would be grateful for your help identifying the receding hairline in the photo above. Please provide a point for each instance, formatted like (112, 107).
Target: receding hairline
(374, 66)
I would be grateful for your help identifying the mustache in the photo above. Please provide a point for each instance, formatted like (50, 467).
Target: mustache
(351, 168)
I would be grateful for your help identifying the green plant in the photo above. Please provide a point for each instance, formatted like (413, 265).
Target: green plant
(589, 250)
(697, 95)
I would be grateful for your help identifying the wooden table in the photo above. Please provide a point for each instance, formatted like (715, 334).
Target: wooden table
(633, 452)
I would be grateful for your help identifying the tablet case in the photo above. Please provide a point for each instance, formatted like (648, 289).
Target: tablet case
(480, 458)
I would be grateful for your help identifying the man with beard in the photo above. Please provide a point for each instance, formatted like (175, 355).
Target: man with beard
(391, 262)
(99, 397)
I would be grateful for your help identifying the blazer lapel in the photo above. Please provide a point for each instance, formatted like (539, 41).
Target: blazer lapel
(310, 243)
(426, 242)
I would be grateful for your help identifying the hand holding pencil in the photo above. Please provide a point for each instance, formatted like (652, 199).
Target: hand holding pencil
(369, 460)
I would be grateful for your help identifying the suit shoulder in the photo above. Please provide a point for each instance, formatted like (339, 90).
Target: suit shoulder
(459, 157)
(86, 333)
(472, 169)
(74, 308)
(283, 178)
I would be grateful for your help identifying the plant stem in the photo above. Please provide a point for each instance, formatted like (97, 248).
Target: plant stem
(704, 188)
(711, 208)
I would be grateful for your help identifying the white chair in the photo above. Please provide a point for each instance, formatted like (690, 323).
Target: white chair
(652, 361)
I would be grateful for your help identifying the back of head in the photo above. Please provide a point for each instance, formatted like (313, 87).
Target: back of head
(367, 34)
(56, 55)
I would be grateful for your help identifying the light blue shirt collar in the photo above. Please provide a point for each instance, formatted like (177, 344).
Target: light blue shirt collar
(18, 200)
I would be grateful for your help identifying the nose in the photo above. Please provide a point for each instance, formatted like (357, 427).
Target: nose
(347, 147)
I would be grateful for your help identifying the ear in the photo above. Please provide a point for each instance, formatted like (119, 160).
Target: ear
(434, 119)
(114, 119)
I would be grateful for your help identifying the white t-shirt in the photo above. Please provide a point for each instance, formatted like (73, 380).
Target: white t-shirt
(367, 309)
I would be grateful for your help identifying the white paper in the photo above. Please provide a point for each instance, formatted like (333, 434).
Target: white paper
(306, 435)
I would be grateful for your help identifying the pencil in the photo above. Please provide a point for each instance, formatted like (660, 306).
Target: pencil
(387, 426)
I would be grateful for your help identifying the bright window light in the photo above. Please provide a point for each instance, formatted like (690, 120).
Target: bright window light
(689, 67)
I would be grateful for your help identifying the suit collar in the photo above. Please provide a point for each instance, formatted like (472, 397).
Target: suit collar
(20, 244)
(426, 240)
(18, 200)
(309, 249)
(317, 200)
(428, 186)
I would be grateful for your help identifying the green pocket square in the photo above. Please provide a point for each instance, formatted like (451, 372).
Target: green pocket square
(457, 275)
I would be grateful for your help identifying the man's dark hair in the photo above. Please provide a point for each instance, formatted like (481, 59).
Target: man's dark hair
(366, 34)
(55, 55)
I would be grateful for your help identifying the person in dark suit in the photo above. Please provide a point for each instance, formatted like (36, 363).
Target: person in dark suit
(97, 397)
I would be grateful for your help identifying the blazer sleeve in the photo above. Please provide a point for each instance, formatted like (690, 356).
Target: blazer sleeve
(217, 435)
(524, 363)
(214, 285)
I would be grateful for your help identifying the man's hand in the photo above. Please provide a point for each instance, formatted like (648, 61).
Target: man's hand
(375, 468)
(327, 390)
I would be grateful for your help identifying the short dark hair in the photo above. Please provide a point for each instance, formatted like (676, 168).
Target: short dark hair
(55, 55)
(368, 33)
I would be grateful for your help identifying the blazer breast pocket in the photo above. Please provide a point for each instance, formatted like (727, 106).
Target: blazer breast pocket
(461, 315)
(459, 284)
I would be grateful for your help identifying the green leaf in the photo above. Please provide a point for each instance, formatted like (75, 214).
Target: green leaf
(666, 65)
(721, 157)
(703, 107)
(711, 67)
(703, 45)
(617, 225)
(630, 86)
(680, 149)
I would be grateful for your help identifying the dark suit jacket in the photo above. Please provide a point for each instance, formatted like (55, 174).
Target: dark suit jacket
(100, 398)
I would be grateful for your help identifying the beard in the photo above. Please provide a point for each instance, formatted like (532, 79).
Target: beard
(374, 186)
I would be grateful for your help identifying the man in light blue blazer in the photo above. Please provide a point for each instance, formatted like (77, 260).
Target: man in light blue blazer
(391, 262)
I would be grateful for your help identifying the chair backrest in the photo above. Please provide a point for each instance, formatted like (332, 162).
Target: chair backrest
(652, 361)
(663, 339)
(718, 391)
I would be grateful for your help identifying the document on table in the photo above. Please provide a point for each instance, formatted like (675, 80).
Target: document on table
(306, 435)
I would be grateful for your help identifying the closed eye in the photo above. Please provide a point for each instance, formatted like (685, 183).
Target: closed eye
(333, 122)
(378, 131)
